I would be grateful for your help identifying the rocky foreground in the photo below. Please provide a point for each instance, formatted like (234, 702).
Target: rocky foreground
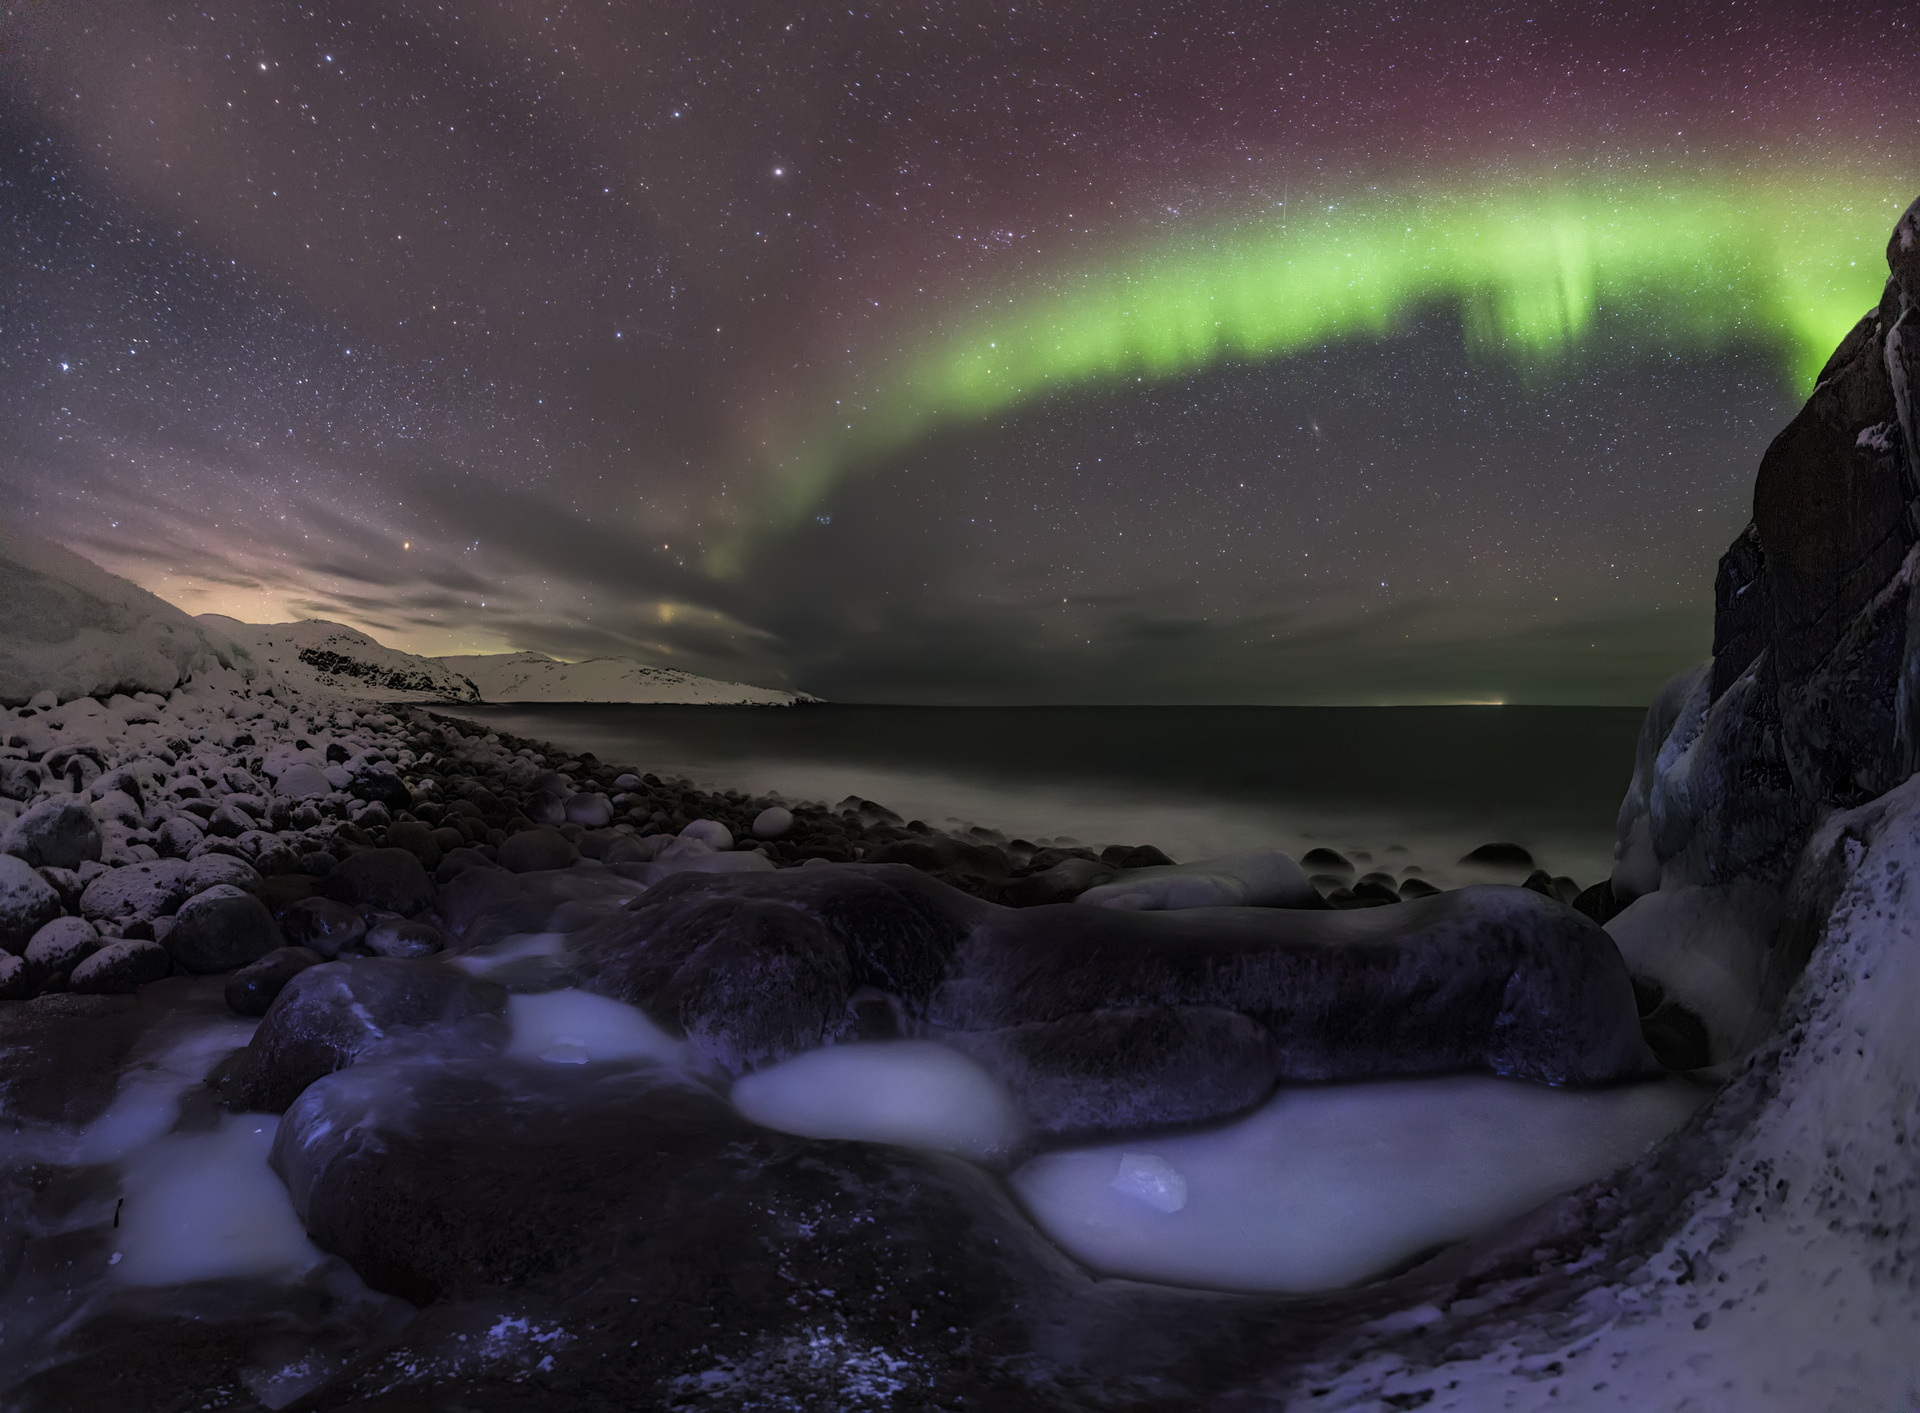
(370, 1059)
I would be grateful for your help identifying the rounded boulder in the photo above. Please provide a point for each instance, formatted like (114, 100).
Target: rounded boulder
(27, 903)
(120, 968)
(322, 925)
(537, 850)
(253, 988)
(57, 833)
(220, 929)
(389, 879)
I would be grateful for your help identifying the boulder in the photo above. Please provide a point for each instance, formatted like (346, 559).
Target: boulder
(389, 879)
(56, 833)
(417, 839)
(141, 891)
(333, 1015)
(590, 811)
(219, 929)
(537, 850)
(252, 989)
(27, 903)
(302, 781)
(322, 925)
(396, 937)
(119, 968)
(771, 823)
(60, 946)
(16, 978)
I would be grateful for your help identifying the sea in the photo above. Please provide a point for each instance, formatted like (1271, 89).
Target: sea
(1407, 789)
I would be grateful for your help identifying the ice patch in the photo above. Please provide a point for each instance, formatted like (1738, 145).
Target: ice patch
(147, 1102)
(1331, 1184)
(205, 1206)
(511, 951)
(911, 1092)
(575, 1027)
(1154, 1181)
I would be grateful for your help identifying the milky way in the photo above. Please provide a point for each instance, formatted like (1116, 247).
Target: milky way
(941, 352)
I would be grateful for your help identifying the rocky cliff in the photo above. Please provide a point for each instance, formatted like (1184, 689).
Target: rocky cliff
(1810, 706)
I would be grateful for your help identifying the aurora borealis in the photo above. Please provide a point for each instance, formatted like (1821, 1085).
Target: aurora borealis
(942, 352)
(1788, 264)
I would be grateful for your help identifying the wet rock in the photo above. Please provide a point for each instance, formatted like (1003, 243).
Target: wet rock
(419, 1176)
(330, 1016)
(252, 989)
(457, 861)
(1479, 978)
(322, 925)
(16, 978)
(1106, 1072)
(772, 822)
(61, 1056)
(396, 937)
(1411, 888)
(1325, 860)
(27, 903)
(590, 811)
(417, 839)
(119, 968)
(56, 833)
(219, 929)
(711, 832)
(1376, 887)
(537, 850)
(389, 879)
(1062, 883)
(544, 807)
(754, 967)
(1499, 856)
(377, 782)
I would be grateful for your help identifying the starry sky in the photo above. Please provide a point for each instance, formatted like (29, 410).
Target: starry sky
(1071, 352)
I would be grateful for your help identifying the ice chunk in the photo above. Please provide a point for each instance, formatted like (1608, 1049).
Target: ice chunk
(575, 1027)
(1331, 1184)
(911, 1092)
(1154, 1181)
(205, 1206)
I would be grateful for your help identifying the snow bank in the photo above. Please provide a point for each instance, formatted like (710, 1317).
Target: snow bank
(75, 630)
(533, 677)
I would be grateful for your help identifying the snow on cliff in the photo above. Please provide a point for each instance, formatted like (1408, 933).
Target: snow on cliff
(320, 658)
(72, 628)
(532, 677)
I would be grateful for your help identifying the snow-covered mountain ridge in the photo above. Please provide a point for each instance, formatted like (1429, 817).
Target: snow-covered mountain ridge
(316, 657)
(534, 677)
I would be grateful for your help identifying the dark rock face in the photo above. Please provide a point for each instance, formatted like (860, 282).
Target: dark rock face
(753, 968)
(60, 1056)
(1814, 604)
(221, 929)
(1101, 1072)
(389, 879)
(328, 1017)
(756, 967)
(1490, 978)
(682, 1239)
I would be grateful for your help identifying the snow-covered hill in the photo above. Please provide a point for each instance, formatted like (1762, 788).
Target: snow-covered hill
(532, 677)
(330, 659)
(69, 627)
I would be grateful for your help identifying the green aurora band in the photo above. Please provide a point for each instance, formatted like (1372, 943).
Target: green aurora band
(1787, 262)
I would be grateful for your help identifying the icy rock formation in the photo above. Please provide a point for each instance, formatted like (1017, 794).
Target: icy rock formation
(73, 630)
(1811, 703)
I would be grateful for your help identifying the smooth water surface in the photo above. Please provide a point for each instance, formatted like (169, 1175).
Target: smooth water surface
(1196, 781)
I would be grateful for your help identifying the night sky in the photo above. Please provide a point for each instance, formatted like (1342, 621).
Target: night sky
(1073, 352)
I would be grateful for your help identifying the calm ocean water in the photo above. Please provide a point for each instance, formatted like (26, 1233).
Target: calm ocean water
(1405, 785)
